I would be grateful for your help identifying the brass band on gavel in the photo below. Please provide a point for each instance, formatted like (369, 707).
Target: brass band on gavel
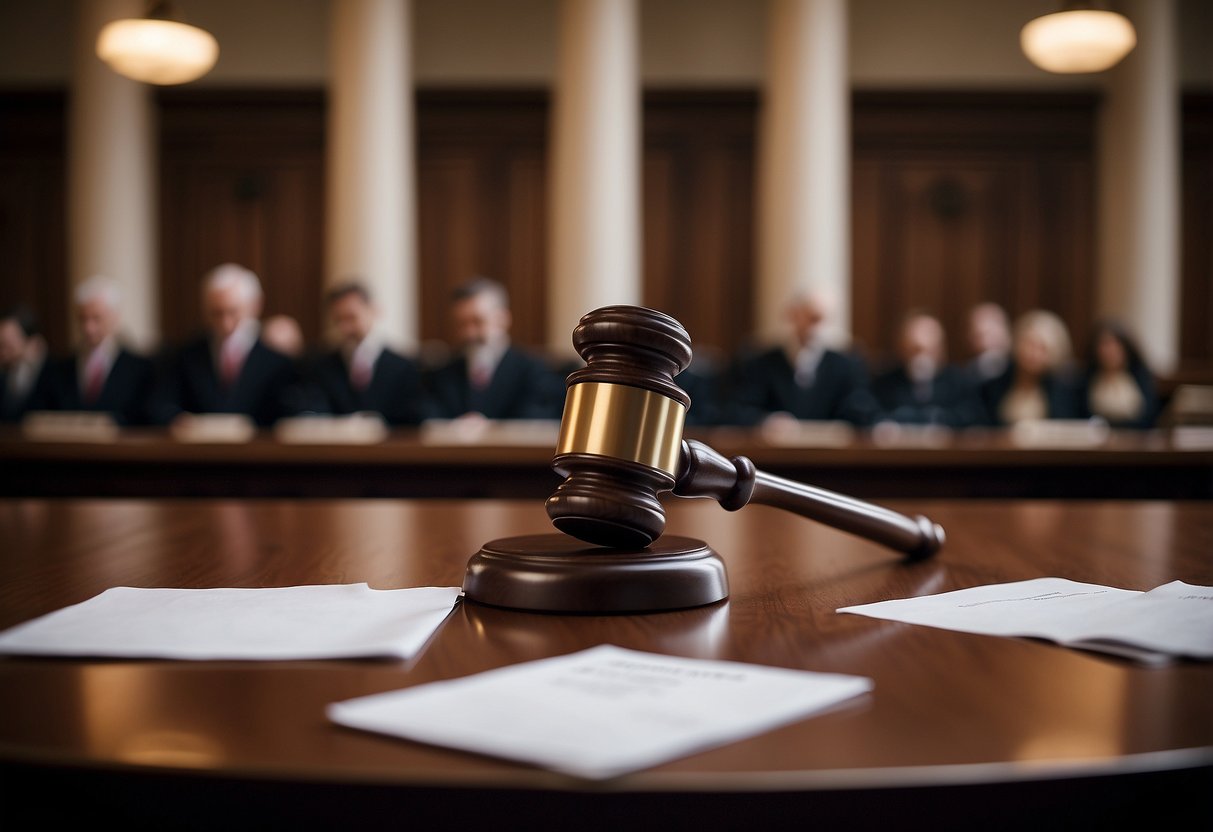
(622, 422)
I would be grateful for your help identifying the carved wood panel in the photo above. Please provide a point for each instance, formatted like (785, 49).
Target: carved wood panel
(1196, 304)
(698, 192)
(959, 199)
(242, 180)
(482, 204)
(33, 158)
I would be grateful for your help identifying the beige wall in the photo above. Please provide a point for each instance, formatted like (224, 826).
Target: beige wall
(711, 43)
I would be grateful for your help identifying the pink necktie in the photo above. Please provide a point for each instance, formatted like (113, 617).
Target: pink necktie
(480, 376)
(360, 373)
(229, 363)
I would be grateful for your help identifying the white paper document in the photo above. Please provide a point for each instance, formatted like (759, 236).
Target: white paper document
(1175, 619)
(601, 712)
(285, 623)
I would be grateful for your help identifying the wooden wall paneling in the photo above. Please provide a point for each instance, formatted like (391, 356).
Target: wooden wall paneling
(33, 237)
(524, 242)
(242, 180)
(1025, 284)
(943, 243)
(448, 199)
(958, 199)
(1064, 235)
(659, 195)
(1196, 308)
(482, 203)
(291, 244)
(698, 211)
(734, 249)
(867, 261)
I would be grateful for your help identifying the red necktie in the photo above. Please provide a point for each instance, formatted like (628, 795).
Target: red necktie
(94, 377)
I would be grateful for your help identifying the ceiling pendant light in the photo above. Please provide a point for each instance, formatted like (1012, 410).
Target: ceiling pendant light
(157, 48)
(1081, 38)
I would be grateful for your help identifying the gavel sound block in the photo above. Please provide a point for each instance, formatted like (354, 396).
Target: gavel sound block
(621, 446)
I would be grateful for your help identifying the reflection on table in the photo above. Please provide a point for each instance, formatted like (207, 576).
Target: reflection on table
(959, 725)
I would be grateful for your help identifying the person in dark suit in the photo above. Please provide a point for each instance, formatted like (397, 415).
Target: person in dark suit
(24, 367)
(989, 342)
(804, 379)
(923, 388)
(104, 376)
(363, 374)
(1116, 383)
(702, 382)
(489, 377)
(228, 369)
(1039, 383)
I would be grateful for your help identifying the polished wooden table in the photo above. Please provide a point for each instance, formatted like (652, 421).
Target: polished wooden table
(513, 463)
(961, 730)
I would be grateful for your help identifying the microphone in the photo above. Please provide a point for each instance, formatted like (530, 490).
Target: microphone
(621, 445)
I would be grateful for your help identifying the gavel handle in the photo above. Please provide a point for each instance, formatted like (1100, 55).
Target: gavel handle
(735, 482)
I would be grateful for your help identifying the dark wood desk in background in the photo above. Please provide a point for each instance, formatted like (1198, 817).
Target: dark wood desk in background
(148, 463)
(961, 731)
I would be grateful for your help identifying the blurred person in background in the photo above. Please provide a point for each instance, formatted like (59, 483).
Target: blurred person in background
(1039, 382)
(103, 375)
(363, 374)
(23, 364)
(489, 377)
(923, 388)
(803, 378)
(229, 368)
(1116, 383)
(702, 381)
(989, 341)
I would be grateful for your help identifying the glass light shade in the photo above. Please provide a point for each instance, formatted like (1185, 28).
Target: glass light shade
(157, 51)
(1082, 40)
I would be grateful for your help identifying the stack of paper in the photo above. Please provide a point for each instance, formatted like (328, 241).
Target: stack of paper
(213, 428)
(541, 433)
(301, 622)
(1060, 433)
(69, 426)
(326, 429)
(601, 712)
(1175, 619)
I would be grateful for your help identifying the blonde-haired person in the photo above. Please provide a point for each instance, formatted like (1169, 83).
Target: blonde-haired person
(1039, 383)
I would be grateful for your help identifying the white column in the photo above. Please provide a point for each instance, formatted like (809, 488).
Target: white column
(371, 202)
(1139, 186)
(595, 212)
(803, 208)
(111, 176)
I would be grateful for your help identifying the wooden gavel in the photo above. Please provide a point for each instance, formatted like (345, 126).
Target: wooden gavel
(621, 445)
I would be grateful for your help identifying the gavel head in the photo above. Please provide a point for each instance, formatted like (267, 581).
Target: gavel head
(621, 433)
